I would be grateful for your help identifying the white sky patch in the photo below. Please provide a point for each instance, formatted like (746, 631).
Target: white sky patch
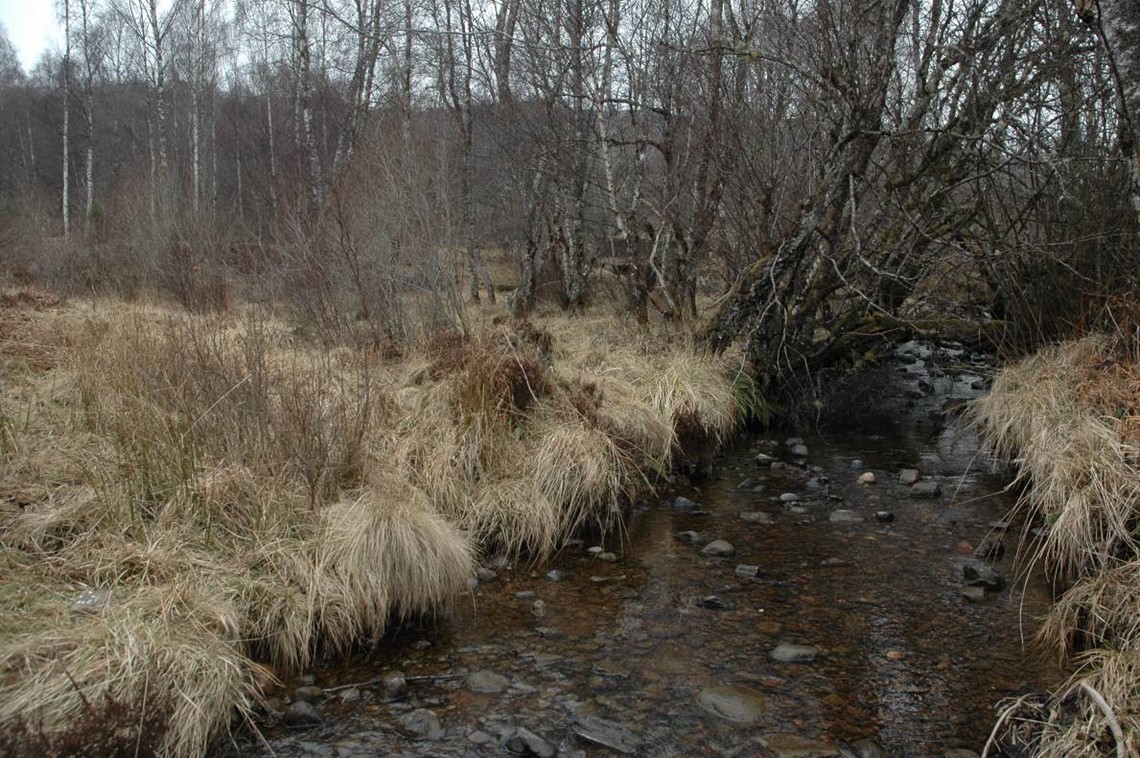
(33, 27)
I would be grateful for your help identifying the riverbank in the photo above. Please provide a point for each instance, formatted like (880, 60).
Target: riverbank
(784, 605)
(193, 505)
(1068, 417)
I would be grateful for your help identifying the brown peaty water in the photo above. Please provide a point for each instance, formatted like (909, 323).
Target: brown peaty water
(674, 648)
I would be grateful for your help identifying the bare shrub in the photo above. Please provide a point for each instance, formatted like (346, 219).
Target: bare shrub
(193, 274)
(219, 393)
(382, 259)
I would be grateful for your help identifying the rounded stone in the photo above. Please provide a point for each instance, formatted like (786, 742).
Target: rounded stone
(422, 723)
(718, 548)
(487, 681)
(302, 714)
(787, 652)
(741, 705)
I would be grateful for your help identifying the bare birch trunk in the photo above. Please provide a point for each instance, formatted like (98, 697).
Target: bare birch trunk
(66, 130)
(305, 104)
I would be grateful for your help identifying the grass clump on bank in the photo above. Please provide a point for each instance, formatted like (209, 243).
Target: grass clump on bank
(1070, 418)
(236, 499)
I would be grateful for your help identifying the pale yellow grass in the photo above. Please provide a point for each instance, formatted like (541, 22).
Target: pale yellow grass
(244, 494)
(1082, 485)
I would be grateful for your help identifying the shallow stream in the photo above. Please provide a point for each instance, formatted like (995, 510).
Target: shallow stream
(669, 651)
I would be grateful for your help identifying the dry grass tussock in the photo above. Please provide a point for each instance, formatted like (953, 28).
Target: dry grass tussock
(1066, 415)
(237, 498)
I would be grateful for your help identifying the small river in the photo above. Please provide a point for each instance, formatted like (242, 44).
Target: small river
(669, 651)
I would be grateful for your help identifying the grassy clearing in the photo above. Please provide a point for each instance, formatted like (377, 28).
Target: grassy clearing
(239, 498)
(1070, 415)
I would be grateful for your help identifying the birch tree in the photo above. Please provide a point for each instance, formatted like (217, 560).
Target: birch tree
(65, 131)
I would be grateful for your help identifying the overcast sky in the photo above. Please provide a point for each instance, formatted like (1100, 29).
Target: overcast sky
(32, 27)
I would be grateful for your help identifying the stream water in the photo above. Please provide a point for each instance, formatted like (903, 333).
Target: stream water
(669, 651)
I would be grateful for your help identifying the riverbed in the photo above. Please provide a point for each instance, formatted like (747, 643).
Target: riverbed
(835, 617)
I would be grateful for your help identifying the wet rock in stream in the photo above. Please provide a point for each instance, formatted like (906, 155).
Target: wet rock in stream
(757, 517)
(741, 705)
(521, 741)
(487, 681)
(606, 733)
(394, 684)
(716, 603)
(685, 504)
(302, 715)
(978, 573)
(787, 652)
(989, 548)
(308, 693)
(422, 723)
(718, 548)
(927, 490)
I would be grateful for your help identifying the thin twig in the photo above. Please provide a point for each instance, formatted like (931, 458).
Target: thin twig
(378, 682)
(1113, 724)
(991, 741)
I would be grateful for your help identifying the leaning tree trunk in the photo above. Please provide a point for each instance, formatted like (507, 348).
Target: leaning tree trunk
(774, 305)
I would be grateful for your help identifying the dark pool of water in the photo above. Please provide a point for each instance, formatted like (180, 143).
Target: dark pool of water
(905, 660)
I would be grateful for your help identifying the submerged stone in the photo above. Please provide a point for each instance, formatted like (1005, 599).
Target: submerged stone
(716, 603)
(974, 594)
(757, 517)
(908, 476)
(309, 693)
(718, 548)
(980, 574)
(741, 705)
(990, 548)
(864, 748)
(786, 652)
(487, 681)
(525, 742)
(606, 733)
(925, 490)
(423, 724)
(302, 714)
